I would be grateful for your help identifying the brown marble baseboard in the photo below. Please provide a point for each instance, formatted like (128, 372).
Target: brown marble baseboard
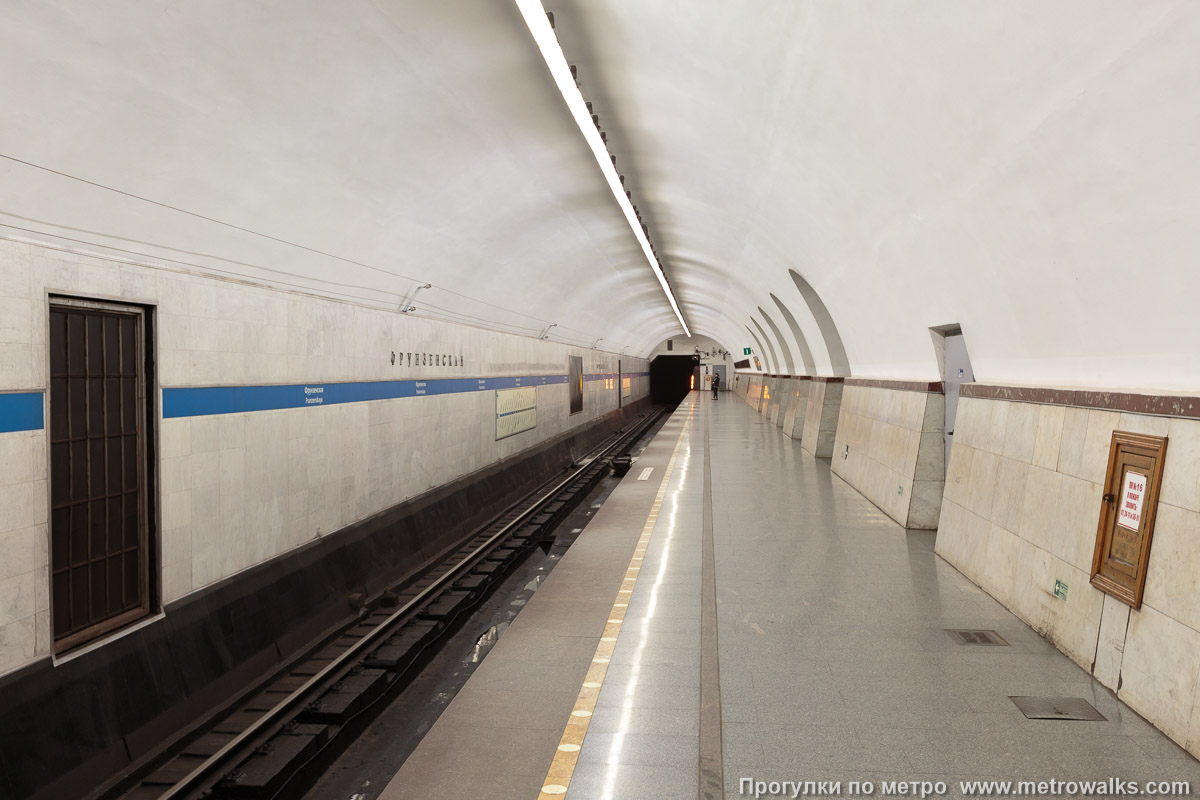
(1130, 402)
(935, 387)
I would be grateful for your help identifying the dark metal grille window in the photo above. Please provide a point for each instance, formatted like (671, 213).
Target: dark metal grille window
(575, 379)
(99, 559)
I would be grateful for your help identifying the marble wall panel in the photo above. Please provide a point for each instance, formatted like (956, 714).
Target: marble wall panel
(239, 489)
(1050, 463)
(888, 445)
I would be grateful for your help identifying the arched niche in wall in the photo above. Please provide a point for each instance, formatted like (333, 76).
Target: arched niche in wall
(810, 367)
(829, 332)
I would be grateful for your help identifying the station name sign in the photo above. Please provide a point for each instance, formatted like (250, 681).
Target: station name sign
(407, 359)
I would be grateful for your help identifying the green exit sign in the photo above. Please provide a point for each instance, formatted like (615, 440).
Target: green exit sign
(745, 351)
(1060, 590)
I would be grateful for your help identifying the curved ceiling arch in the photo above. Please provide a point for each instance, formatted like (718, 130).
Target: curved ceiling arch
(759, 345)
(810, 367)
(783, 345)
(714, 295)
(330, 152)
(921, 179)
(774, 361)
(838, 361)
(899, 183)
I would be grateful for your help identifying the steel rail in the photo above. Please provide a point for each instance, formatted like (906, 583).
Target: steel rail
(346, 659)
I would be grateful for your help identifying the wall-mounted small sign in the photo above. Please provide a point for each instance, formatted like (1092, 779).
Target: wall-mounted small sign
(746, 351)
(1060, 590)
(1129, 514)
(408, 359)
(1128, 505)
(516, 411)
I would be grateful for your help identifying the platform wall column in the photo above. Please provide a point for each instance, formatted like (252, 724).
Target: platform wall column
(754, 396)
(889, 446)
(771, 409)
(764, 403)
(793, 417)
(787, 387)
(821, 416)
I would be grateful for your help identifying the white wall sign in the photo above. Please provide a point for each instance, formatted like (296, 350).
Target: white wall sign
(516, 411)
(1129, 515)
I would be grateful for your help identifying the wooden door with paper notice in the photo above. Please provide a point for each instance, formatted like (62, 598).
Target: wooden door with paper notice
(1135, 465)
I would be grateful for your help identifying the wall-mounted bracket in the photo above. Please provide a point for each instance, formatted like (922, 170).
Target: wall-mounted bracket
(406, 306)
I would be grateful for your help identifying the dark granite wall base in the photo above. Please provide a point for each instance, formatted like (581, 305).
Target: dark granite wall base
(66, 729)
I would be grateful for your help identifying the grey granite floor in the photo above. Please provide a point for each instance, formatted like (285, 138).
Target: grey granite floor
(835, 665)
(834, 662)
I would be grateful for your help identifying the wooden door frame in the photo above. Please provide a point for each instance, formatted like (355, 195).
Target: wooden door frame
(1155, 447)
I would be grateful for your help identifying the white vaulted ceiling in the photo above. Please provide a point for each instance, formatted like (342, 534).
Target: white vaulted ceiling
(1027, 169)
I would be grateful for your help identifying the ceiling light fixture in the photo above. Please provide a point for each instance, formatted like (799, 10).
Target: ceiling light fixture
(543, 35)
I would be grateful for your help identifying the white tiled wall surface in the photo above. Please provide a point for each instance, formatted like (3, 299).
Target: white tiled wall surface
(1020, 511)
(24, 559)
(889, 446)
(821, 418)
(239, 489)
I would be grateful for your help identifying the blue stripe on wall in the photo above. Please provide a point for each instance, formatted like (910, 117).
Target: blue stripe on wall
(24, 411)
(21, 412)
(207, 400)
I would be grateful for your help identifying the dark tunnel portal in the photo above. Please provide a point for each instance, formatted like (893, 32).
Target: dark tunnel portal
(671, 378)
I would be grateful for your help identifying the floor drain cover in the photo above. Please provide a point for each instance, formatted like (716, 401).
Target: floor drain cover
(1057, 708)
(977, 637)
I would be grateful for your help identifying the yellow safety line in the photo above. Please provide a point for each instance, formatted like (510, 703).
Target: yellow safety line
(567, 754)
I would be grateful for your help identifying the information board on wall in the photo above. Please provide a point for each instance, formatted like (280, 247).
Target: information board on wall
(516, 411)
(626, 387)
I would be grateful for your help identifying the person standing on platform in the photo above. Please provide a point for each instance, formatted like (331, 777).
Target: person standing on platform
(716, 383)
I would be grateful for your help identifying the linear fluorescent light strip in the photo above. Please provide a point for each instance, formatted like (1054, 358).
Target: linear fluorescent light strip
(539, 26)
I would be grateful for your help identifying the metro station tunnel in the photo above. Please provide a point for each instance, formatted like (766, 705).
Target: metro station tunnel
(604, 400)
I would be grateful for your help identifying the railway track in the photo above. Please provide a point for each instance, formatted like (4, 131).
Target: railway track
(277, 739)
